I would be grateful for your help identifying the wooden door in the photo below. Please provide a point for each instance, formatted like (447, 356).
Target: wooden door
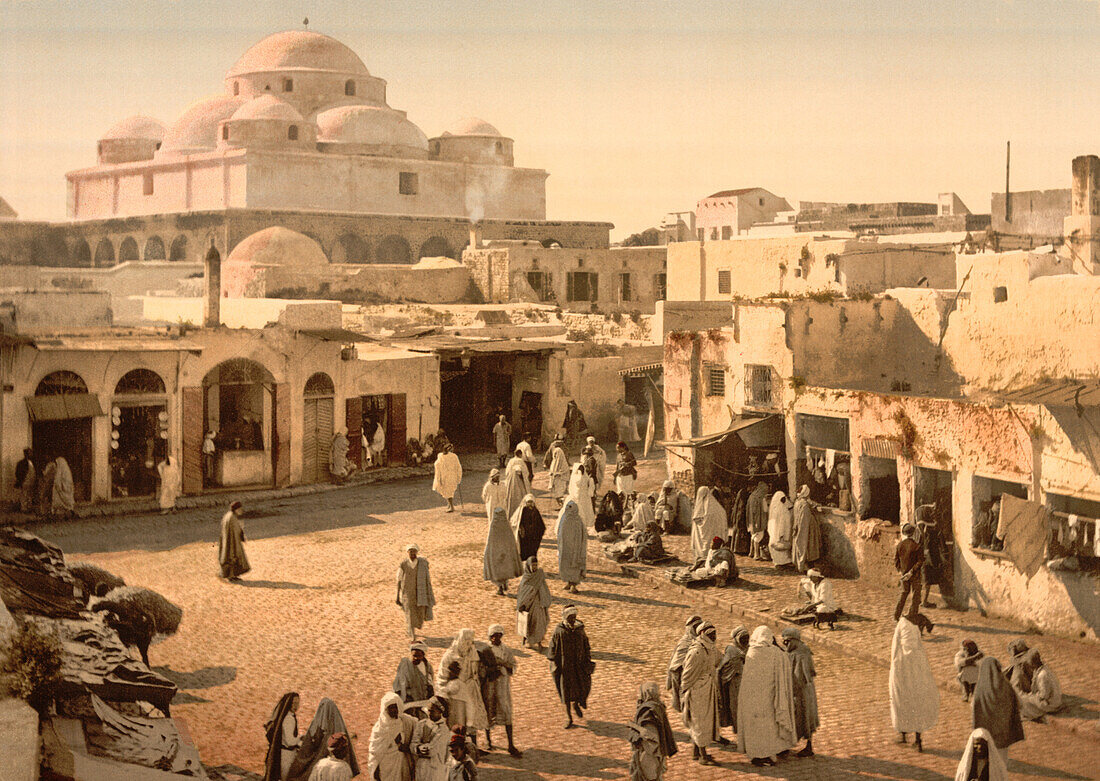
(396, 435)
(353, 421)
(309, 441)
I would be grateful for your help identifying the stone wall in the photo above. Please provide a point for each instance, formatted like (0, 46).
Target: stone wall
(49, 311)
(1037, 213)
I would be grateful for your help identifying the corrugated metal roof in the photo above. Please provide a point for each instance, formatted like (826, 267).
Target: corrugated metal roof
(879, 447)
(645, 368)
(1057, 392)
(64, 406)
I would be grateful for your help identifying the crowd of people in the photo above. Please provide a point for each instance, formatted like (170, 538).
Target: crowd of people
(761, 687)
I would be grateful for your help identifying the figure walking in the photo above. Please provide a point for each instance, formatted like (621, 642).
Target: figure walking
(571, 664)
(448, 476)
(414, 590)
(231, 555)
(496, 690)
(500, 562)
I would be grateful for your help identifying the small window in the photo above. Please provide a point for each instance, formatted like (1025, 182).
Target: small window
(724, 287)
(500, 147)
(625, 293)
(407, 183)
(349, 88)
(761, 201)
(582, 286)
(288, 85)
(758, 385)
(699, 231)
(716, 381)
(292, 133)
(225, 132)
(714, 234)
(727, 232)
(1000, 295)
(147, 184)
(236, 88)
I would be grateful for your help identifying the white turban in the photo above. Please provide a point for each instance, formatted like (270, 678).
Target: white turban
(495, 629)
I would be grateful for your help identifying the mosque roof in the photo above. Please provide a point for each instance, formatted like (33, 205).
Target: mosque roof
(137, 126)
(471, 126)
(299, 50)
(370, 125)
(197, 127)
(268, 107)
(278, 246)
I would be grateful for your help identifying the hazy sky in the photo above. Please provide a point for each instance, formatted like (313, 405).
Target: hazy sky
(635, 108)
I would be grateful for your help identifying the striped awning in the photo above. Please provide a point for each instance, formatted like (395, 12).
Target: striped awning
(879, 447)
(64, 406)
(638, 371)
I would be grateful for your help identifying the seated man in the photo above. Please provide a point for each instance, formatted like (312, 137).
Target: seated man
(719, 566)
(1046, 693)
(642, 546)
(643, 514)
(609, 516)
(817, 605)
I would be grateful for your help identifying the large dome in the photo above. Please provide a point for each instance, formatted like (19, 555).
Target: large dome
(268, 107)
(137, 126)
(299, 50)
(278, 246)
(197, 128)
(370, 127)
(471, 126)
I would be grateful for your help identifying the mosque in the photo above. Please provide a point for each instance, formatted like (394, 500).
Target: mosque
(302, 138)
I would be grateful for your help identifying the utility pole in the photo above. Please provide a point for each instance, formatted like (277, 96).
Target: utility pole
(1008, 191)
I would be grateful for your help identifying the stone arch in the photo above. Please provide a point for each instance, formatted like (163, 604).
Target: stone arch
(549, 243)
(154, 248)
(140, 381)
(61, 383)
(436, 247)
(128, 250)
(104, 253)
(179, 248)
(350, 248)
(82, 254)
(393, 249)
(319, 385)
(49, 249)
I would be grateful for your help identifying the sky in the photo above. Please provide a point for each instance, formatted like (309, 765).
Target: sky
(635, 108)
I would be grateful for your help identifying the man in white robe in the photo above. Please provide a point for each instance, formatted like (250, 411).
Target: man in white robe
(779, 529)
(429, 743)
(63, 498)
(493, 494)
(448, 476)
(338, 456)
(643, 514)
(498, 691)
(500, 562)
(502, 439)
(378, 445)
(527, 453)
(516, 483)
(707, 522)
(557, 465)
(414, 590)
(389, 742)
(169, 485)
(914, 698)
(699, 692)
(765, 703)
(676, 663)
(582, 491)
(572, 538)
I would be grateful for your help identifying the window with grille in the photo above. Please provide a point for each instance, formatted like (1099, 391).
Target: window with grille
(625, 293)
(288, 85)
(541, 283)
(758, 385)
(724, 286)
(716, 380)
(408, 183)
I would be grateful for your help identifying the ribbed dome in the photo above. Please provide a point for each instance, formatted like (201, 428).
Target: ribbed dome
(197, 128)
(299, 50)
(268, 107)
(278, 246)
(369, 125)
(471, 126)
(136, 127)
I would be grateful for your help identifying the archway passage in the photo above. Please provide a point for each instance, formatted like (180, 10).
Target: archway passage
(178, 251)
(551, 243)
(350, 248)
(128, 250)
(139, 433)
(61, 413)
(154, 248)
(82, 254)
(238, 410)
(318, 410)
(49, 250)
(104, 254)
(436, 247)
(394, 249)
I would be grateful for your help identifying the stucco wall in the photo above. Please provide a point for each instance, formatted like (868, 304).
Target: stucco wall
(48, 311)
(1036, 212)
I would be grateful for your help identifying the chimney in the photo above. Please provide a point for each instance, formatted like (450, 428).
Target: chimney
(212, 293)
(475, 236)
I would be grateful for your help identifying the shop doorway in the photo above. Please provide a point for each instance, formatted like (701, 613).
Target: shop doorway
(61, 412)
(317, 427)
(239, 405)
(385, 411)
(139, 433)
(883, 495)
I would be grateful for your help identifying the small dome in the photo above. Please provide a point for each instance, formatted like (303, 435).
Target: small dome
(375, 126)
(197, 128)
(137, 126)
(278, 246)
(471, 126)
(299, 50)
(268, 107)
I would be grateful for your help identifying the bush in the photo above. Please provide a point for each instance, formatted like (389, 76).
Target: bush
(94, 580)
(33, 666)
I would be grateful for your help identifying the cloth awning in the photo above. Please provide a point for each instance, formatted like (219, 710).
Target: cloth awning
(879, 447)
(64, 406)
(637, 371)
(1025, 526)
(766, 432)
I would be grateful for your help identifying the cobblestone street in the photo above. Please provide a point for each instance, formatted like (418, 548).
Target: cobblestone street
(317, 615)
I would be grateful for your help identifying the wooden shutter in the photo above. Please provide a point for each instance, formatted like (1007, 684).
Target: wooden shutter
(309, 441)
(593, 286)
(570, 293)
(192, 432)
(280, 437)
(325, 432)
(396, 439)
(353, 421)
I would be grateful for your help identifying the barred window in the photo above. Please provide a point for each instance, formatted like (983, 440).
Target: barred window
(724, 281)
(716, 381)
(758, 385)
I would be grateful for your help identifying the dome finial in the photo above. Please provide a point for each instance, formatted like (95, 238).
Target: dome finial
(305, 22)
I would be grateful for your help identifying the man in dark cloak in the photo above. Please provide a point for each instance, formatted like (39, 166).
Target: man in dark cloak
(934, 570)
(282, 737)
(231, 556)
(676, 663)
(571, 664)
(995, 705)
(530, 528)
(413, 682)
(730, 668)
(327, 721)
(806, 719)
(756, 514)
